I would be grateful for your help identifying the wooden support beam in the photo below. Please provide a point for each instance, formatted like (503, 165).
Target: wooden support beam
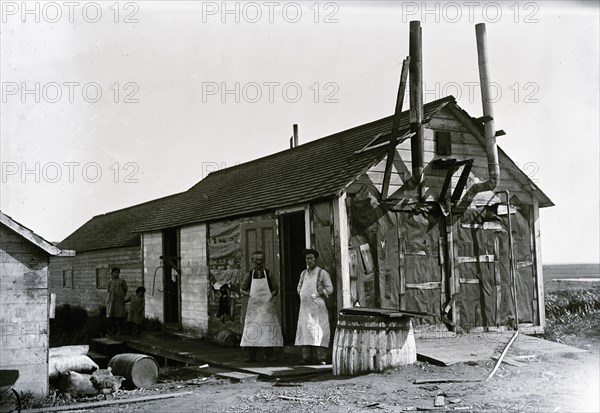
(442, 264)
(448, 180)
(480, 258)
(484, 119)
(401, 269)
(462, 181)
(395, 129)
(537, 261)
(341, 219)
(453, 281)
(497, 281)
(432, 285)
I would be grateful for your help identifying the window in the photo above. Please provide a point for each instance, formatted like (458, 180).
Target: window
(443, 143)
(102, 278)
(68, 278)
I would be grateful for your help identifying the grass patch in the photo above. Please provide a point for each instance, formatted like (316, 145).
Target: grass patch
(73, 325)
(573, 318)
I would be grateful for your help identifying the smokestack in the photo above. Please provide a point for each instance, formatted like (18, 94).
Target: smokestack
(295, 127)
(489, 126)
(417, 146)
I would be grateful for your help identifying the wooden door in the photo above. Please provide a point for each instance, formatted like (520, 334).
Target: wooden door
(421, 267)
(480, 249)
(260, 234)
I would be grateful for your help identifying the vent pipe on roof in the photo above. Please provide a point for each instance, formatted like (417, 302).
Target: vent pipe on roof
(415, 73)
(488, 114)
(294, 138)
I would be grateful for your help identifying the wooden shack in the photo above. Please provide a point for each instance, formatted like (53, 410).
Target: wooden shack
(24, 301)
(425, 249)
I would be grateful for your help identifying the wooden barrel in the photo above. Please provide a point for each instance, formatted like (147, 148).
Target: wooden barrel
(139, 370)
(366, 343)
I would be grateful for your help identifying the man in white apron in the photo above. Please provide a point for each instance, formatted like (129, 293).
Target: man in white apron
(261, 325)
(313, 320)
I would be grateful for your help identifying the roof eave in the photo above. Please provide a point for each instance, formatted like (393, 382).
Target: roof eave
(30, 236)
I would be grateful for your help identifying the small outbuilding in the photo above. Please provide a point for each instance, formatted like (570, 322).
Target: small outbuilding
(25, 304)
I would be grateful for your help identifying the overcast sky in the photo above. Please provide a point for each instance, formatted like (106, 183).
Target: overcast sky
(106, 105)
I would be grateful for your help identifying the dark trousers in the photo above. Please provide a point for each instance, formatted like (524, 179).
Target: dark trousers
(135, 328)
(117, 324)
(253, 352)
(310, 353)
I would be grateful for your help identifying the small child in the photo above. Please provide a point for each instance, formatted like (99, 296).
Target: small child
(136, 310)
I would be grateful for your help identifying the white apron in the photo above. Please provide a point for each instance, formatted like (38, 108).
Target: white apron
(261, 327)
(313, 320)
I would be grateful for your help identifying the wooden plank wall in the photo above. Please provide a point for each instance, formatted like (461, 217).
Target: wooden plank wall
(194, 280)
(83, 291)
(24, 315)
(464, 146)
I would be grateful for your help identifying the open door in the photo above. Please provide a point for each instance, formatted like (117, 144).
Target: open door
(293, 242)
(171, 279)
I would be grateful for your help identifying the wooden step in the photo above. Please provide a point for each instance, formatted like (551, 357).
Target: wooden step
(100, 359)
(107, 346)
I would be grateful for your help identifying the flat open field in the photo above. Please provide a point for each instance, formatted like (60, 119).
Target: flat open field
(570, 271)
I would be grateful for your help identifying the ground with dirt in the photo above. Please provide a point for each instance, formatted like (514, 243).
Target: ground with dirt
(567, 382)
(558, 383)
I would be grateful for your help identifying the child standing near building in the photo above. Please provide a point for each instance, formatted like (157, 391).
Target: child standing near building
(137, 304)
(115, 301)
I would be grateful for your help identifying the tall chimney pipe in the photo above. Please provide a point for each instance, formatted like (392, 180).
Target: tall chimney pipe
(417, 146)
(295, 127)
(489, 127)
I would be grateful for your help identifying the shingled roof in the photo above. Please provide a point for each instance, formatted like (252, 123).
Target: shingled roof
(114, 229)
(315, 170)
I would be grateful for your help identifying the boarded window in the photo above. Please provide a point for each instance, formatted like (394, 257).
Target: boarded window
(101, 278)
(68, 278)
(443, 143)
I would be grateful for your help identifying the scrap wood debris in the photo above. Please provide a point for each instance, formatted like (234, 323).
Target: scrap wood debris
(298, 399)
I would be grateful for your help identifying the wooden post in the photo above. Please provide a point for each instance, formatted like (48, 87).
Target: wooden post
(442, 264)
(450, 262)
(308, 228)
(537, 260)
(341, 220)
(497, 279)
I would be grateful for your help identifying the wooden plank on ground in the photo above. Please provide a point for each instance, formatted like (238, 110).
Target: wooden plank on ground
(239, 377)
(86, 406)
(511, 362)
(460, 349)
(441, 380)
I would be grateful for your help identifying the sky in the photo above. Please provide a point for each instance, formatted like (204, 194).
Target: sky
(109, 104)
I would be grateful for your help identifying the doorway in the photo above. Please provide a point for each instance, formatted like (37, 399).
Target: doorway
(293, 242)
(171, 279)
